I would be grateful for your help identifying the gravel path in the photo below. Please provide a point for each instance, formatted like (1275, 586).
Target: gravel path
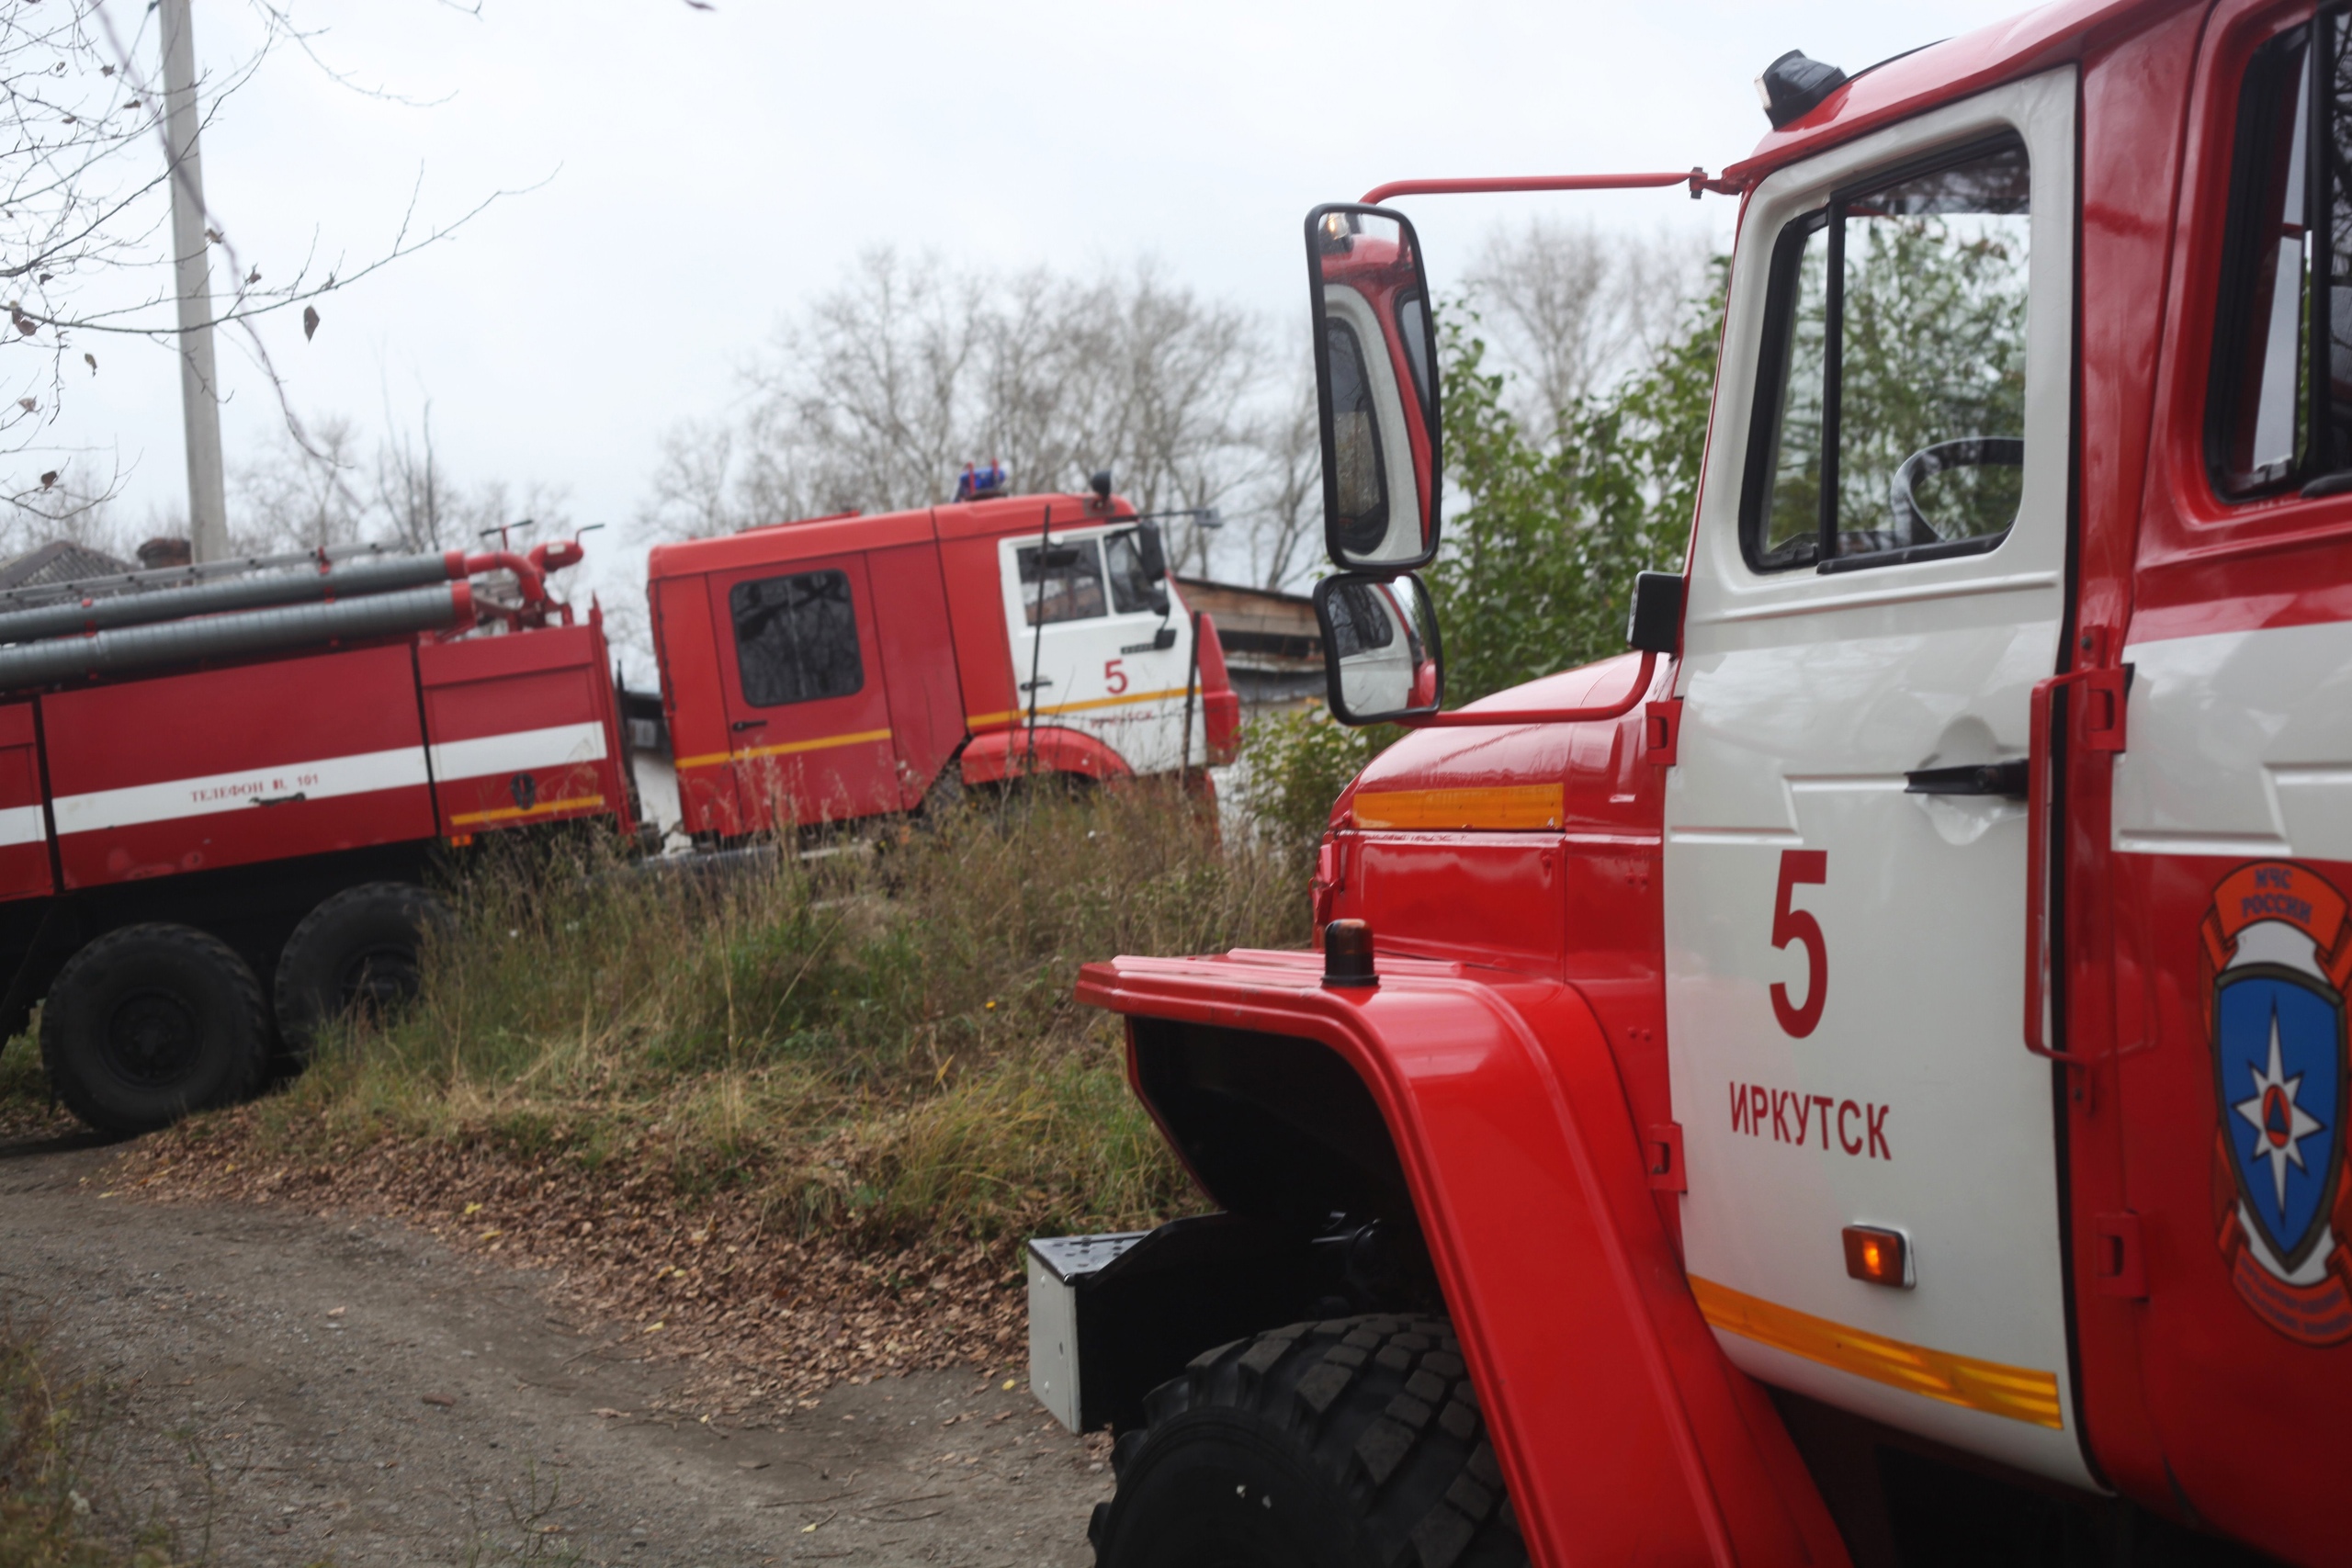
(303, 1390)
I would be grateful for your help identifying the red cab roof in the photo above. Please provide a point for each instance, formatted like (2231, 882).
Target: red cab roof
(777, 544)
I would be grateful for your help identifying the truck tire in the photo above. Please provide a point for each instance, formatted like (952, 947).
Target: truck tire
(150, 1022)
(1355, 1443)
(360, 948)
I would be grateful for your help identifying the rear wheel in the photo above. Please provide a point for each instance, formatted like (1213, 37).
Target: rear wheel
(150, 1022)
(1355, 1443)
(361, 950)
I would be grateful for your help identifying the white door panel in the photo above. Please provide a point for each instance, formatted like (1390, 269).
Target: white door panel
(2241, 743)
(1102, 674)
(1907, 1099)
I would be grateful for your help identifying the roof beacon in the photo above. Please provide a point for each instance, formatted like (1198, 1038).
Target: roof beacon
(1791, 86)
(983, 483)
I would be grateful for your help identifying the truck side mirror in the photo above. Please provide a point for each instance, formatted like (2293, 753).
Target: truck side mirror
(1654, 625)
(1381, 658)
(1375, 388)
(1150, 552)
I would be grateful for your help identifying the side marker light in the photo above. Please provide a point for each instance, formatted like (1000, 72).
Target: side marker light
(1347, 954)
(1878, 1257)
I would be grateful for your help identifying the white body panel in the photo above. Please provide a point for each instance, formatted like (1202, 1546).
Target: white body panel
(2240, 744)
(1807, 697)
(1101, 674)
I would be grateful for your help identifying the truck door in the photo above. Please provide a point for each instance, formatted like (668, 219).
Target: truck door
(808, 714)
(1105, 660)
(1878, 581)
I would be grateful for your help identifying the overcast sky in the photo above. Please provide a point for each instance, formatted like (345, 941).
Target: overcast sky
(699, 174)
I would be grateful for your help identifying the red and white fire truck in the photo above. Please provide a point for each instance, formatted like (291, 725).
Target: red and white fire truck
(221, 787)
(852, 667)
(1862, 1076)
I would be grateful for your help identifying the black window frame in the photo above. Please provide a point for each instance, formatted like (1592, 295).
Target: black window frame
(1772, 371)
(2235, 331)
(735, 614)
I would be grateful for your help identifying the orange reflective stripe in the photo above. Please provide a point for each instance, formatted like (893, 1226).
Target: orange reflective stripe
(2019, 1393)
(1017, 716)
(1498, 807)
(781, 748)
(516, 813)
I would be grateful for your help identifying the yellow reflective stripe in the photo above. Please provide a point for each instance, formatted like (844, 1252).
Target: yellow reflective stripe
(982, 720)
(2019, 1393)
(516, 813)
(1499, 806)
(781, 748)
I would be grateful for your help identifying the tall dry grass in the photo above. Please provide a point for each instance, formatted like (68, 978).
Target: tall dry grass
(880, 1036)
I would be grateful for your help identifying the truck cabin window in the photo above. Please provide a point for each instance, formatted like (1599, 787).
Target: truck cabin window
(2279, 375)
(1066, 586)
(1131, 586)
(1357, 464)
(1891, 396)
(795, 639)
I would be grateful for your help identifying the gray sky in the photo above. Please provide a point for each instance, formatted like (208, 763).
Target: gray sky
(701, 173)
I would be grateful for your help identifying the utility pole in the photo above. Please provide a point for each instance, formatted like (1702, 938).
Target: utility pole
(208, 506)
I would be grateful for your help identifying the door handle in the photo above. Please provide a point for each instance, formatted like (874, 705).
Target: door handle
(2007, 779)
(741, 725)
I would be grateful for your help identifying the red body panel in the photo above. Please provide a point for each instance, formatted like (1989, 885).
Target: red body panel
(25, 871)
(1006, 753)
(1626, 1436)
(1220, 703)
(520, 728)
(917, 656)
(227, 767)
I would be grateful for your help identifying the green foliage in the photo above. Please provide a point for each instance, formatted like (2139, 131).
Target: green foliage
(1551, 526)
(1294, 765)
(54, 1512)
(881, 1038)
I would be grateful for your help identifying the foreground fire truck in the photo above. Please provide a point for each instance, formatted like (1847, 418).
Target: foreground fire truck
(1862, 1077)
(854, 667)
(222, 788)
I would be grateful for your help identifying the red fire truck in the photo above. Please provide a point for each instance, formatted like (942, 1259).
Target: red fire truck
(221, 787)
(850, 667)
(1862, 1076)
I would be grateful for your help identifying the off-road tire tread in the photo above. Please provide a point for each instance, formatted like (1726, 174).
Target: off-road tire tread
(241, 1082)
(295, 1023)
(1352, 1396)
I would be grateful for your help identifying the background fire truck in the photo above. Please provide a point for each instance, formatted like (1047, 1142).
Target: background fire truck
(1863, 1076)
(850, 667)
(221, 787)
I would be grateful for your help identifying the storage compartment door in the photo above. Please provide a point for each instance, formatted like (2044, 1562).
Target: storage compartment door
(24, 825)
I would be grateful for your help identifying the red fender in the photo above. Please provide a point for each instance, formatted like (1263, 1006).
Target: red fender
(1625, 1434)
(1003, 754)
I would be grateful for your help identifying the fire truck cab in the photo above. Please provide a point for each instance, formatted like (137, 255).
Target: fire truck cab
(1862, 1077)
(854, 667)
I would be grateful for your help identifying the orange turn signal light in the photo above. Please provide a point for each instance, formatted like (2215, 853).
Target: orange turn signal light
(1878, 1257)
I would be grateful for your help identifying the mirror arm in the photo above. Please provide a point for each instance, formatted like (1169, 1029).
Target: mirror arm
(1462, 717)
(1695, 178)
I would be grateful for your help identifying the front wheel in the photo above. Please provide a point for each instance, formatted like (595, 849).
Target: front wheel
(1355, 1443)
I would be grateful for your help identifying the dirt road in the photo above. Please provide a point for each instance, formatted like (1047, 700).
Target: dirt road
(304, 1390)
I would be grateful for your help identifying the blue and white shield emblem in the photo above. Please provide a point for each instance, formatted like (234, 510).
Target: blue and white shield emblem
(2278, 1051)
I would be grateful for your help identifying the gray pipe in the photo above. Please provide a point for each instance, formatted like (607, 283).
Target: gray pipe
(382, 574)
(220, 636)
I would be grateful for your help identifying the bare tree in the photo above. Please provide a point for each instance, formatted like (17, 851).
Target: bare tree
(1568, 307)
(83, 243)
(878, 393)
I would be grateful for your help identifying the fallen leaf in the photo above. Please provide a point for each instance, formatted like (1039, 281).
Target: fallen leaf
(1008, 1385)
(493, 1231)
(443, 1400)
(750, 1464)
(607, 1414)
(337, 1312)
(472, 1210)
(310, 321)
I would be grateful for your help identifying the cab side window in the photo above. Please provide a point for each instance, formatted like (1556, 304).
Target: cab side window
(1061, 582)
(1890, 397)
(2279, 411)
(795, 639)
(1131, 586)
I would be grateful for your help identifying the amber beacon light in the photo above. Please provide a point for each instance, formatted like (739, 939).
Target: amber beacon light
(1347, 954)
(1878, 1257)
